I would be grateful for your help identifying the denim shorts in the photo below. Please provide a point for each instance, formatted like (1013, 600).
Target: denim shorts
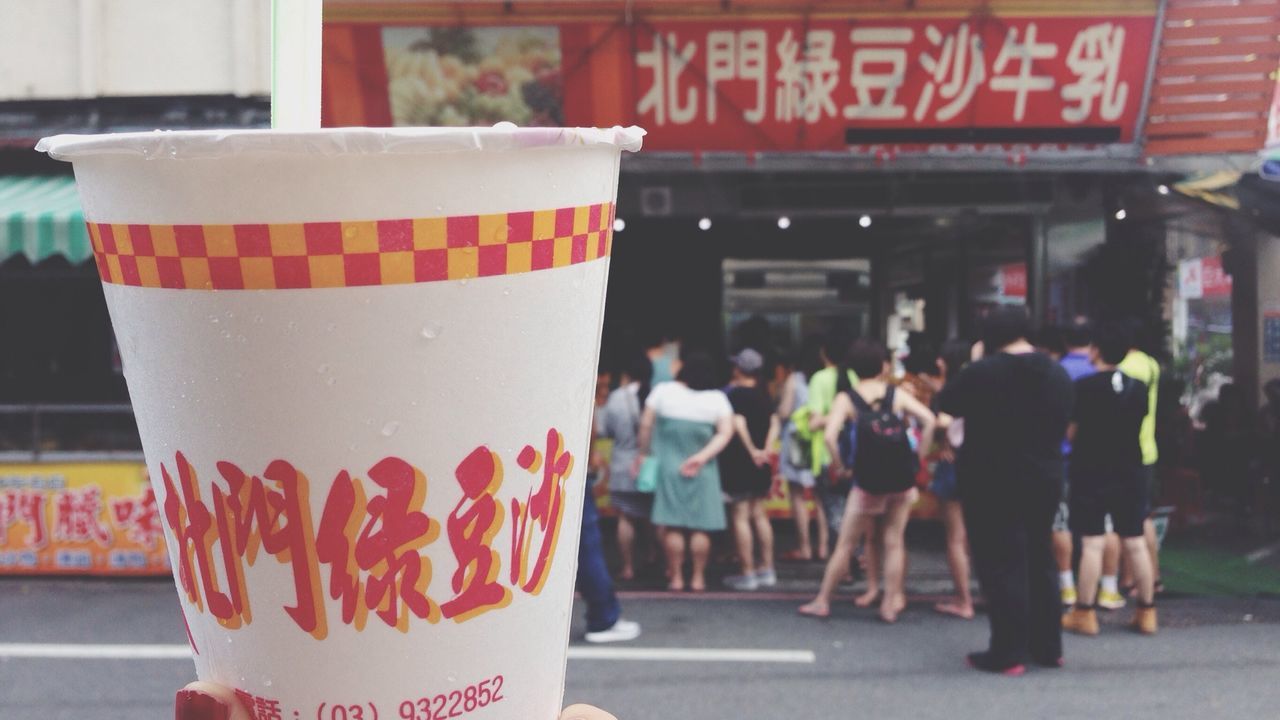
(944, 485)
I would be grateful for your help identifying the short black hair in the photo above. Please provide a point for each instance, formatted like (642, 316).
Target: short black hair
(697, 371)
(1079, 333)
(809, 359)
(922, 355)
(1113, 341)
(1051, 339)
(867, 358)
(1005, 325)
(955, 355)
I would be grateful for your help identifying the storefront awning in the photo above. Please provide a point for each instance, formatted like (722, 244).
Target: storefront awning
(40, 217)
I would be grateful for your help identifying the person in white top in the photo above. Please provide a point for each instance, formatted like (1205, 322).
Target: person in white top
(686, 423)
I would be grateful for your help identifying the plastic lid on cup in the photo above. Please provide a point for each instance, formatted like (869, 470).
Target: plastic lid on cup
(196, 144)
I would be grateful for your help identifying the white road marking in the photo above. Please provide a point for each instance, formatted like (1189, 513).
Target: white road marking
(53, 651)
(578, 652)
(94, 652)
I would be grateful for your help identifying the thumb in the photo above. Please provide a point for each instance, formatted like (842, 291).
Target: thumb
(208, 701)
(585, 712)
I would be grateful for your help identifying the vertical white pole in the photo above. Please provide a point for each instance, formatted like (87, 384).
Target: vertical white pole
(295, 64)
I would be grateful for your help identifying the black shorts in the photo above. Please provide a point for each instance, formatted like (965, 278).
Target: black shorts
(1124, 499)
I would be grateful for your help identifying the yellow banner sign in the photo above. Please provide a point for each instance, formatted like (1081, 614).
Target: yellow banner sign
(81, 519)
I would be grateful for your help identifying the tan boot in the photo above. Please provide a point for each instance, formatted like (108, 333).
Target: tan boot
(1081, 621)
(1144, 621)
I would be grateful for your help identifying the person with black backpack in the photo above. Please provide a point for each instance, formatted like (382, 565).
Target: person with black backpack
(870, 447)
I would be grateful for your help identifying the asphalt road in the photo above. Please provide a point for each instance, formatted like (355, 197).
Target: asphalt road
(1216, 658)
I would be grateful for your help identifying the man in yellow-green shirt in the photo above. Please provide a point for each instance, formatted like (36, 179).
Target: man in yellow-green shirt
(1141, 366)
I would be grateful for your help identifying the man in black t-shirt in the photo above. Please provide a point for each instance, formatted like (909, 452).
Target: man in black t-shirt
(1107, 479)
(1015, 403)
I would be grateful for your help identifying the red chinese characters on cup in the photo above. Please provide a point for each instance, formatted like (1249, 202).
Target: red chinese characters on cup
(370, 546)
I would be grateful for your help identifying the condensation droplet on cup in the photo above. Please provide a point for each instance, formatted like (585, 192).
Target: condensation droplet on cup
(452, 679)
(506, 291)
(324, 368)
(463, 281)
(214, 319)
(431, 331)
(226, 334)
(390, 428)
(331, 381)
(266, 683)
(257, 319)
(331, 327)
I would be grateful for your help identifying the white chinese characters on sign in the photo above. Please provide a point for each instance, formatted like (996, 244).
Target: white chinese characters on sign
(955, 73)
(739, 55)
(1094, 58)
(1023, 81)
(932, 73)
(879, 71)
(807, 77)
(668, 64)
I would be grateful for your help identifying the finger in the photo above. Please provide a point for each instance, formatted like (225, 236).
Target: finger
(208, 701)
(585, 712)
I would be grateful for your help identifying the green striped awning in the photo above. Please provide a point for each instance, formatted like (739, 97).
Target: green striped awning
(40, 217)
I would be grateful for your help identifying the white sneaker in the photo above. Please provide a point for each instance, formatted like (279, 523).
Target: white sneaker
(742, 582)
(766, 578)
(622, 631)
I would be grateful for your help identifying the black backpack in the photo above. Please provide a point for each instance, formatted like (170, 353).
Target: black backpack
(883, 461)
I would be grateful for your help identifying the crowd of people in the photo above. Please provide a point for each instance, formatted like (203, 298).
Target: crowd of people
(1038, 456)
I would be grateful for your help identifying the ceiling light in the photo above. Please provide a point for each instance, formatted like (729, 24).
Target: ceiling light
(1162, 189)
(1121, 214)
(704, 223)
(619, 225)
(784, 222)
(865, 221)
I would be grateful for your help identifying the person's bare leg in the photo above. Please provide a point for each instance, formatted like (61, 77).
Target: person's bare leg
(824, 534)
(626, 547)
(673, 543)
(958, 560)
(895, 561)
(1111, 570)
(742, 537)
(1062, 550)
(1153, 549)
(700, 545)
(764, 534)
(1090, 569)
(852, 527)
(1139, 558)
(800, 511)
(872, 549)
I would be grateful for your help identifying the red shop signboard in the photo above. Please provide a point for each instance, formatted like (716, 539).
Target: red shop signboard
(915, 82)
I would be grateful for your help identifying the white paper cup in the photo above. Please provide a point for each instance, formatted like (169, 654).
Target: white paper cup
(362, 364)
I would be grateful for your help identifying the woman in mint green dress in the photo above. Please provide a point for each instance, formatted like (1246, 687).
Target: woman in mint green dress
(686, 423)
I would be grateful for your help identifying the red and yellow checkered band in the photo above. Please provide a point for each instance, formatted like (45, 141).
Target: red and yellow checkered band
(350, 254)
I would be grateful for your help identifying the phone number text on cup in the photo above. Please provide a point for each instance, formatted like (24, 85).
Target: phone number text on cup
(444, 706)
(371, 545)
